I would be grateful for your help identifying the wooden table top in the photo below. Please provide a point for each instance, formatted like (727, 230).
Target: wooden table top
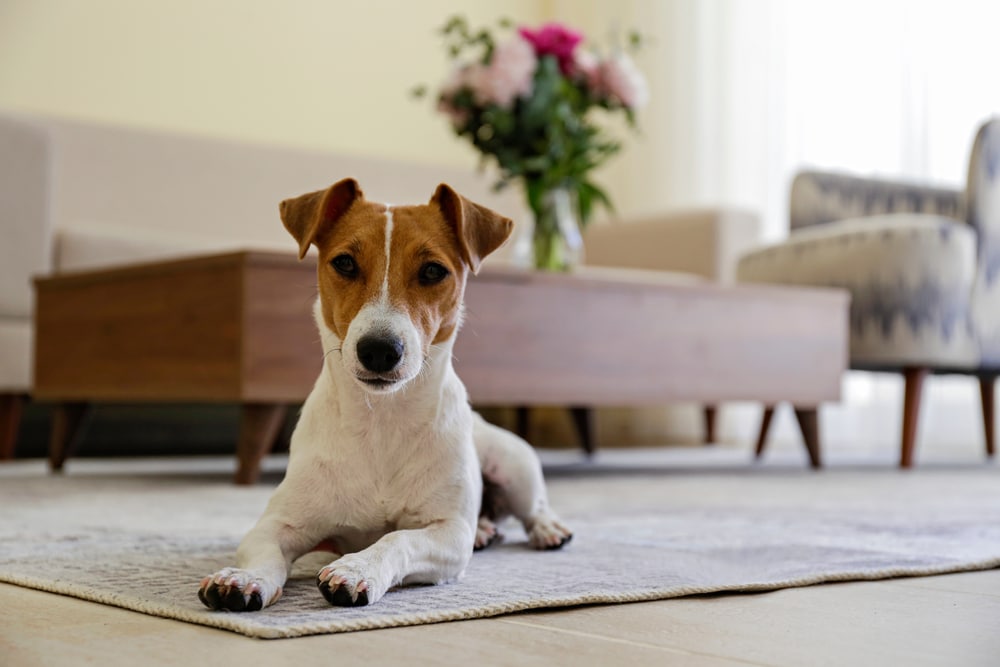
(238, 327)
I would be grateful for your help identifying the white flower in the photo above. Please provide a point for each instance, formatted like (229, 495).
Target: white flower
(587, 66)
(623, 81)
(456, 81)
(509, 75)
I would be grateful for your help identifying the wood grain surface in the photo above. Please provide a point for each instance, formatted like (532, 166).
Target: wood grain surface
(238, 327)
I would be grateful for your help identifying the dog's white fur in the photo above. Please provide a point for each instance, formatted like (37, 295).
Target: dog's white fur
(394, 476)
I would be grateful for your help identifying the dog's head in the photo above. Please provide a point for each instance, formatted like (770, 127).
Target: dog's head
(391, 279)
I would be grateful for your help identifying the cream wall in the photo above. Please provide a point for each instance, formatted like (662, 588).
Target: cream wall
(328, 74)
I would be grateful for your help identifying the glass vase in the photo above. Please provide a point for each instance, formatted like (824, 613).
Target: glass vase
(552, 242)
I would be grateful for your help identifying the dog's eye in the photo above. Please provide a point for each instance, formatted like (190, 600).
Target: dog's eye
(345, 266)
(432, 273)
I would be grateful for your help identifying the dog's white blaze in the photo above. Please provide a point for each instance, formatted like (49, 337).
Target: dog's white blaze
(384, 295)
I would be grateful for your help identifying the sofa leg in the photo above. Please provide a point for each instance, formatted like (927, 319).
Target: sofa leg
(68, 420)
(710, 415)
(260, 424)
(11, 406)
(765, 426)
(911, 413)
(986, 383)
(808, 419)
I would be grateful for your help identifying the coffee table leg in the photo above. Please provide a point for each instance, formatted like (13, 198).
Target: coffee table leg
(765, 426)
(68, 420)
(523, 413)
(809, 425)
(710, 414)
(583, 419)
(260, 424)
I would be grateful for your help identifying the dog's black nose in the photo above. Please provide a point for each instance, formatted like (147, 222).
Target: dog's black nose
(380, 355)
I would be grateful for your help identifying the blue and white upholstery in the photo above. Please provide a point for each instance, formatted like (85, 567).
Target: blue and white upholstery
(983, 214)
(922, 265)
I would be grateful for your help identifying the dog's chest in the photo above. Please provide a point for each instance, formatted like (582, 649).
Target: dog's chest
(391, 474)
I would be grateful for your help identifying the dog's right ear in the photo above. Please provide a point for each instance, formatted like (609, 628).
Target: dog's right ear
(307, 215)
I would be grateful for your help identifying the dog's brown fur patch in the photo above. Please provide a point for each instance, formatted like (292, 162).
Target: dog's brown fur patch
(450, 231)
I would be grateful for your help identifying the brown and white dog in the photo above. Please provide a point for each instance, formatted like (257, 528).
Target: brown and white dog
(388, 462)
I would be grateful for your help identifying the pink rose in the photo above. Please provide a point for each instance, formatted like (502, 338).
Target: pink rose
(623, 81)
(554, 39)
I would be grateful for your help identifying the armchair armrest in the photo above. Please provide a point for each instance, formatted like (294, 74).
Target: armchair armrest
(819, 197)
(25, 229)
(706, 242)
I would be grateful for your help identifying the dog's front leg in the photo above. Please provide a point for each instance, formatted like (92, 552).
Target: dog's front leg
(432, 555)
(263, 561)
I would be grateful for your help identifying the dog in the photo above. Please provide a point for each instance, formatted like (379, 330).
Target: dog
(390, 469)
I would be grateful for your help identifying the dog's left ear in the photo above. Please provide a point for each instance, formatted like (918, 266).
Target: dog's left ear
(307, 215)
(480, 231)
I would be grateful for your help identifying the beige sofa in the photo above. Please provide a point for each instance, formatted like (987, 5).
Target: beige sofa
(76, 195)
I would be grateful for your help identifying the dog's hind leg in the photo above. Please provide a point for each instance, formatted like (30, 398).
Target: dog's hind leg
(509, 463)
(486, 533)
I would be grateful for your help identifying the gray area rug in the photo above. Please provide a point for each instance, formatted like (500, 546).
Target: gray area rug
(144, 543)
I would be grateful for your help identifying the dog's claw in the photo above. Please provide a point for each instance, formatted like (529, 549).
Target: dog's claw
(203, 596)
(256, 602)
(228, 592)
(490, 541)
(234, 600)
(336, 593)
(564, 540)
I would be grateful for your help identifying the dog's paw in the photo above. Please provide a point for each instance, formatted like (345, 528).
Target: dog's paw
(232, 589)
(486, 534)
(547, 532)
(343, 585)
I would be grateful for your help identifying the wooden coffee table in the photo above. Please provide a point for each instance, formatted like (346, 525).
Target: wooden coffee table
(238, 328)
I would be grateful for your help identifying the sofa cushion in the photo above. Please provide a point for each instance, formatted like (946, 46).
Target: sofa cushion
(15, 361)
(97, 246)
(25, 178)
(910, 278)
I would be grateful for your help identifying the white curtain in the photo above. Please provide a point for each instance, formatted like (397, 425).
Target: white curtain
(889, 87)
(745, 93)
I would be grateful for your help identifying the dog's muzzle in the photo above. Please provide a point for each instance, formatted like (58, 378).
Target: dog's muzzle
(380, 355)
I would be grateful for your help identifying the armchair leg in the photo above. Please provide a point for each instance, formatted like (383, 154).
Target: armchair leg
(765, 426)
(10, 422)
(986, 384)
(911, 412)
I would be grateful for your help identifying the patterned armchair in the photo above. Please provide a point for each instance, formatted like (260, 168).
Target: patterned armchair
(922, 265)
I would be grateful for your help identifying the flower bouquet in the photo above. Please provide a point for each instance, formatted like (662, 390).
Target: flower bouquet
(526, 101)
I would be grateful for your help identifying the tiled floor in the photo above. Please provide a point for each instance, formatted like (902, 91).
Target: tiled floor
(946, 620)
